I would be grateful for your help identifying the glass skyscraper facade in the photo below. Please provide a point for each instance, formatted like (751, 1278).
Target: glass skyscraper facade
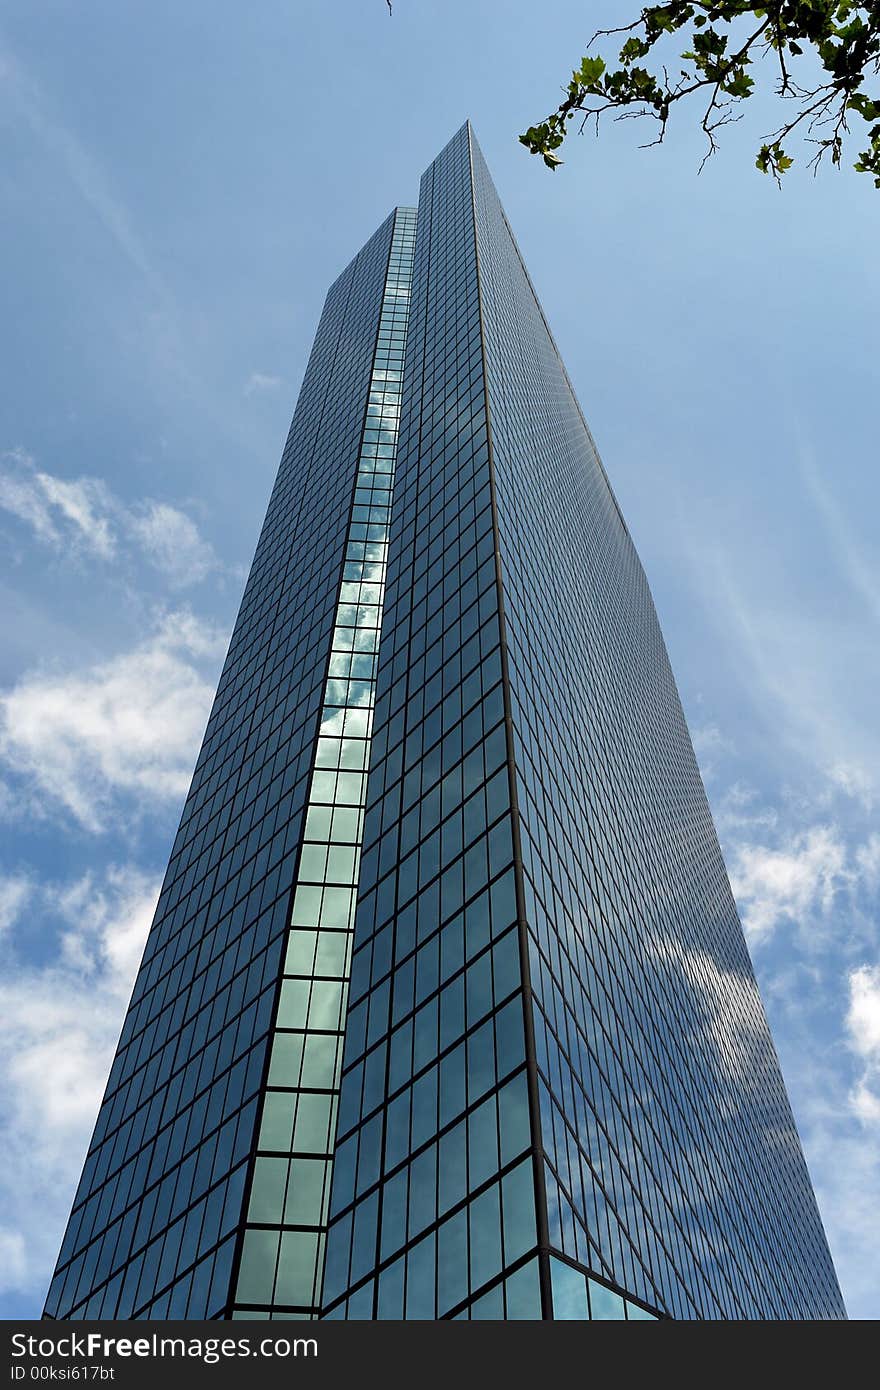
(446, 1011)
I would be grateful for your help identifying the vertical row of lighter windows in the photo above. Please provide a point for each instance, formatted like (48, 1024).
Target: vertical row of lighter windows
(283, 1250)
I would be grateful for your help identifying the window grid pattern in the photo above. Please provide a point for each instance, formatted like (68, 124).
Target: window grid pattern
(673, 1166)
(432, 1206)
(579, 1297)
(557, 1094)
(153, 1227)
(282, 1253)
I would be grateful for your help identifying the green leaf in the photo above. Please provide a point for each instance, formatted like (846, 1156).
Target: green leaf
(740, 86)
(591, 70)
(633, 49)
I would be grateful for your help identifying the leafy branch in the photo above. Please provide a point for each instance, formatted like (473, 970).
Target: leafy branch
(838, 40)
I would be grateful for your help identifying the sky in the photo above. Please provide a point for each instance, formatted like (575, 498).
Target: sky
(180, 185)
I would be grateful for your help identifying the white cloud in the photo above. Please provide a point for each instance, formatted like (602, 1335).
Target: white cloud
(130, 725)
(863, 1019)
(171, 540)
(868, 861)
(15, 889)
(863, 1026)
(855, 780)
(262, 381)
(865, 1102)
(84, 505)
(789, 883)
(709, 746)
(82, 516)
(739, 810)
(58, 1029)
(844, 1163)
(21, 496)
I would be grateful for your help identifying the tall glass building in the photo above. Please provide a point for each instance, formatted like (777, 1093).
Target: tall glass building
(446, 1010)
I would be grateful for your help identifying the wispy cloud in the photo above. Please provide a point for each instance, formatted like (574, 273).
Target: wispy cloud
(262, 381)
(796, 633)
(82, 515)
(860, 566)
(844, 1160)
(24, 95)
(791, 882)
(55, 1054)
(171, 541)
(130, 725)
(57, 511)
(15, 889)
(863, 1024)
(807, 897)
(710, 746)
(812, 680)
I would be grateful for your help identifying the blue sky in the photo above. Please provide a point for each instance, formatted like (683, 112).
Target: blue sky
(180, 185)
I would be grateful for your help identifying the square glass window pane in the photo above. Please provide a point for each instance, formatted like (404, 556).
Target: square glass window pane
(325, 1004)
(350, 788)
(323, 786)
(346, 824)
(336, 692)
(318, 823)
(277, 1124)
(341, 864)
(319, 1069)
(420, 1280)
(256, 1274)
(482, 1128)
(332, 723)
(513, 1107)
(296, 1267)
(312, 863)
(300, 957)
(287, 1051)
(328, 752)
(605, 1304)
(336, 907)
(452, 1284)
(306, 906)
(312, 1124)
(294, 1003)
(354, 753)
(362, 666)
(569, 1288)
(518, 1207)
(522, 1294)
(267, 1190)
(332, 953)
(306, 1192)
(391, 1293)
(484, 1219)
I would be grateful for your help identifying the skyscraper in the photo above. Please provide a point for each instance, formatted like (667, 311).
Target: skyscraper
(446, 1010)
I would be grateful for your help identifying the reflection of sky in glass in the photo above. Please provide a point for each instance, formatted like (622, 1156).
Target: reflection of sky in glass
(280, 1271)
(673, 1167)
